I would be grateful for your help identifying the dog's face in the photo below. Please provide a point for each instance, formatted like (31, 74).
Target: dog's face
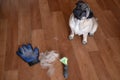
(79, 10)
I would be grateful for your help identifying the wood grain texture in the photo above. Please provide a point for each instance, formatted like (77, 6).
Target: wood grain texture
(44, 23)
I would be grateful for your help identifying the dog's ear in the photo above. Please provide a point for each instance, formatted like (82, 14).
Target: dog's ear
(84, 6)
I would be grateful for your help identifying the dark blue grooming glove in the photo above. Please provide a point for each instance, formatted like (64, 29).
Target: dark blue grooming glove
(28, 54)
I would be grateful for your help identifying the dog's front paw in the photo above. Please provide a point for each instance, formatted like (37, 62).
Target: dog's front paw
(84, 42)
(71, 37)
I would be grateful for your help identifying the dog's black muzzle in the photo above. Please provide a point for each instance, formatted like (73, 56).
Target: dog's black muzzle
(78, 13)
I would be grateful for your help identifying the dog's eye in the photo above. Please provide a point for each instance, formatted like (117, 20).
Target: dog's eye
(79, 7)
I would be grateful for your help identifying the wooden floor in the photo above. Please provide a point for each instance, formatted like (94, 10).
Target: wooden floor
(44, 23)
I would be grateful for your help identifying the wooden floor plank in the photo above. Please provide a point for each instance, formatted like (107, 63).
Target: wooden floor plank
(12, 35)
(115, 46)
(35, 14)
(11, 75)
(54, 5)
(44, 24)
(85, 64)
(24, 23)
(105, 54)
(3, 38)
(99, 65)
(38, 40)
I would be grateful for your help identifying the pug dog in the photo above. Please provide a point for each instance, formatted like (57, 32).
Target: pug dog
(82, 21)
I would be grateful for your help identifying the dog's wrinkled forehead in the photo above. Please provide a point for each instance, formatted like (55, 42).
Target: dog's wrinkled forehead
(81, 5)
